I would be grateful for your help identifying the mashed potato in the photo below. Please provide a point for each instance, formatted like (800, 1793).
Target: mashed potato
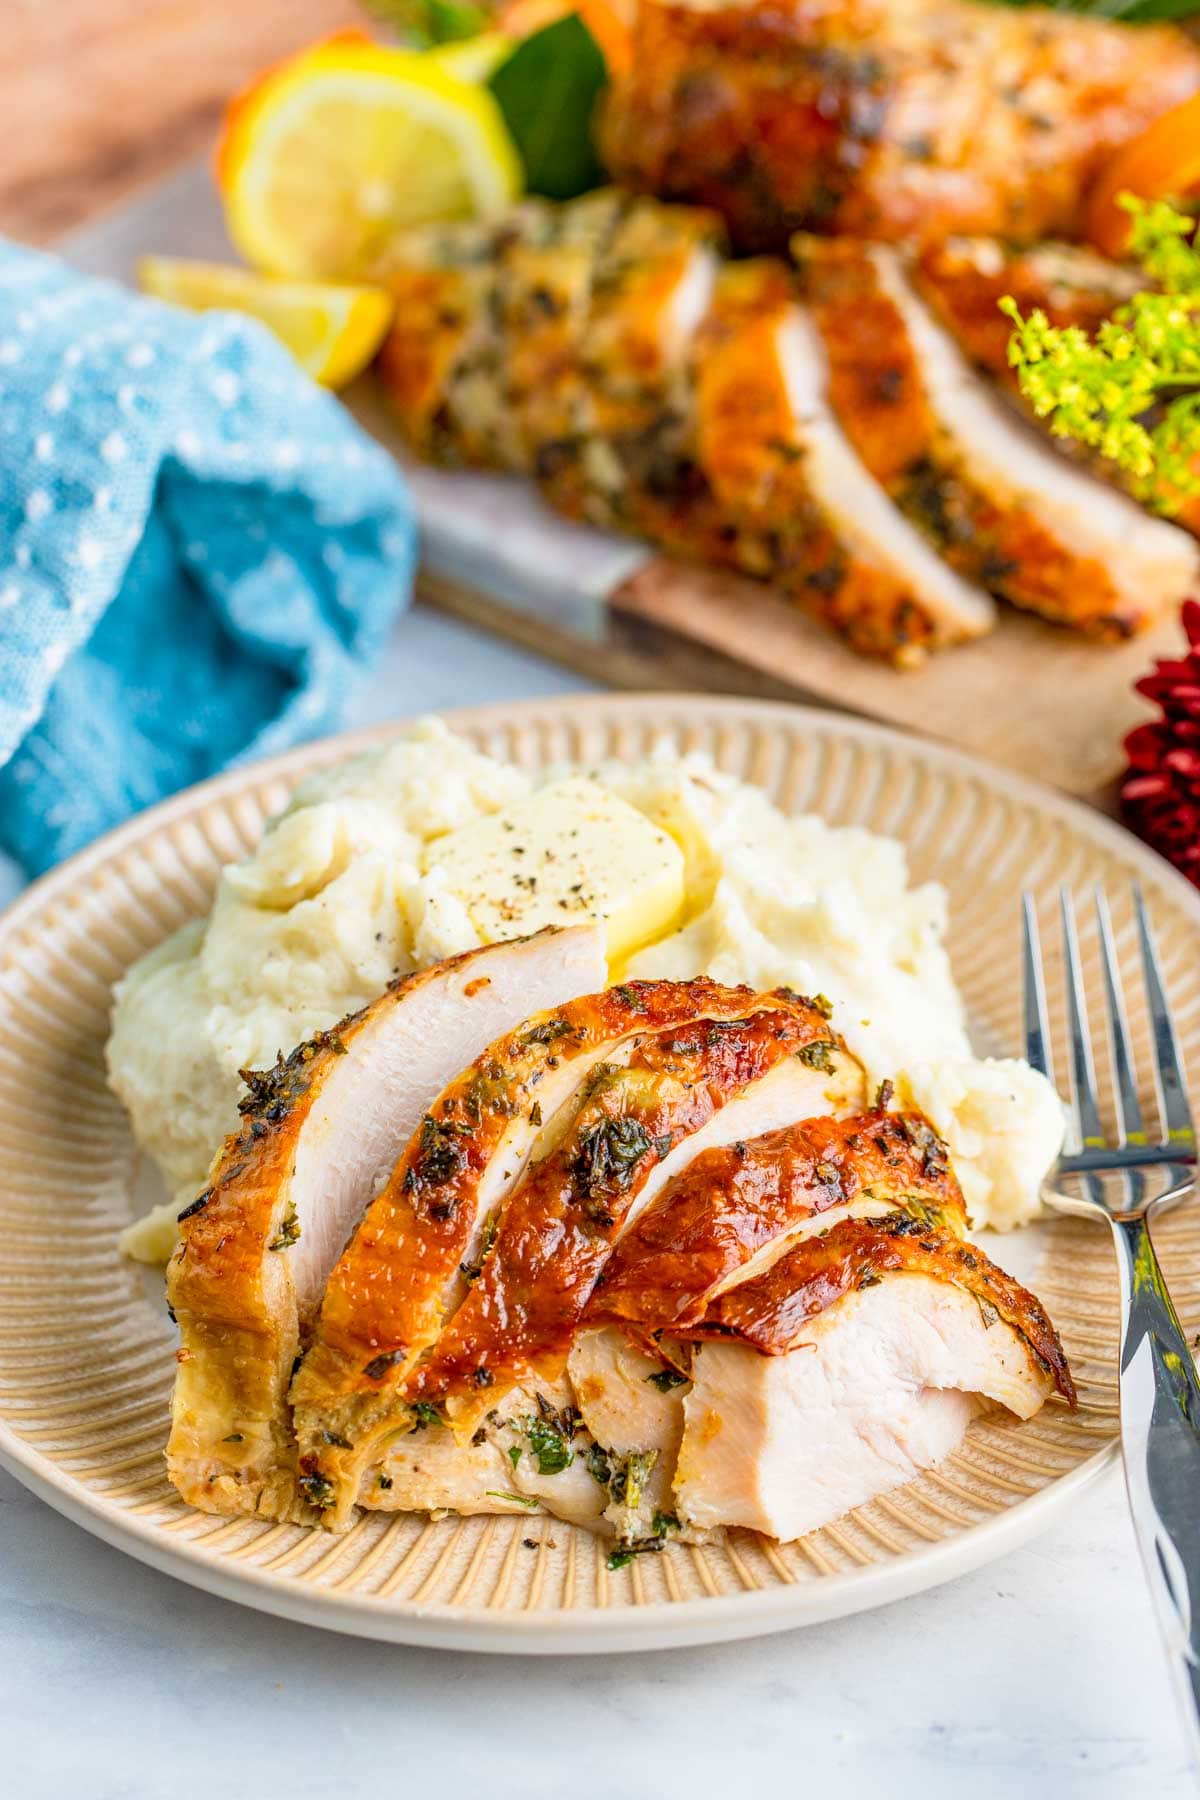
(342, 894)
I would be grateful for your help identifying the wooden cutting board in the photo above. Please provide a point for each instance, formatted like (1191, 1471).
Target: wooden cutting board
(1036, 699)
(1030, 697)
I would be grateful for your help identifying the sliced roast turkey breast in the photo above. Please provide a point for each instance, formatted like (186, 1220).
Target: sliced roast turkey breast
(521, 344)
(322, 1131)
(984, 486)
(641, 1072)
(811, 516)
(727, 1219)
(620, 458)
(847, 1366)
(427, 1464)
(734, 1207)
(634, 1129)
(772, 1445)
(791, 1377)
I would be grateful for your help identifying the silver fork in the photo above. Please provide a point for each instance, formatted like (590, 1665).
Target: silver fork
(1125, 1181)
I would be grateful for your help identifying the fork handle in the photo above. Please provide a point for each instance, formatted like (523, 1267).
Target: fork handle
(1160, 1435)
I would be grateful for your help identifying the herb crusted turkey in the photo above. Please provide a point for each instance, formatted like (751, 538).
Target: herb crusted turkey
(615, 1269)
(320, 1131)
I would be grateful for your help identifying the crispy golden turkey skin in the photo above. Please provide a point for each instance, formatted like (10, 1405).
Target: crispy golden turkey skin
(884, 120)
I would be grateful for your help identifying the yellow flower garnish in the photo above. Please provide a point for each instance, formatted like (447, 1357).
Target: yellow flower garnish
(1131, 392)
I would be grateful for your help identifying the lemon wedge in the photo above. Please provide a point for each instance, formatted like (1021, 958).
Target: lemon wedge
(334, 152)
(332, 331)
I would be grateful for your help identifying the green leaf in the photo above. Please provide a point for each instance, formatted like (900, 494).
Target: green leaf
(1130, 12)
(547, 91)
(424, 22)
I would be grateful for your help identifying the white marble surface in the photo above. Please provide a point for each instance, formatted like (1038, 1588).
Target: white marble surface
(1039, 1676)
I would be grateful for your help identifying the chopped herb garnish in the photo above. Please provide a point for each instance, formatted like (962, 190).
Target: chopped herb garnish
(666, 1379)
(425, 1413)
(379, 1365)
(645, 1546)
(549, 1447)
(548, 1032)
(607, 1156)
(524, 1500)
(473, 1270)
(598, 1465)
(816, 1056)
(440, 1154)
(288, 1233)
(198, 1205)
(317, 1490)
(664, 1522)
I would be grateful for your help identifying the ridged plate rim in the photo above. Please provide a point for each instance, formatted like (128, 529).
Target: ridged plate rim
(620, 1628)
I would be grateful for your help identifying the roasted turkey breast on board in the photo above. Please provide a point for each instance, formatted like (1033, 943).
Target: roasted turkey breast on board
(883, 119)
(827, 429)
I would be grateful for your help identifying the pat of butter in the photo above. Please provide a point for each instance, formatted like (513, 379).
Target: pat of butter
(571, 853)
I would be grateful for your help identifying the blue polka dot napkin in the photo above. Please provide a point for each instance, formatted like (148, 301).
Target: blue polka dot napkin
(198, 550)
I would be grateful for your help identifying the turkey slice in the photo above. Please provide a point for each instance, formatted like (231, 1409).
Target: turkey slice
(696, 1047)
(810, 516)
(863, 1356)
(731, 1215)
(433, 1463)
(322, 1131)
(983, 485)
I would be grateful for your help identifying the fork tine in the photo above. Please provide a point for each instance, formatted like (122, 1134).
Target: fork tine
(1089, 1135)
(1129, 1111)
(1168, 1067)
(1033, 988)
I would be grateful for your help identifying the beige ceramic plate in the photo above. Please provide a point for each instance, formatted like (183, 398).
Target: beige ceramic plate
(85, 1347)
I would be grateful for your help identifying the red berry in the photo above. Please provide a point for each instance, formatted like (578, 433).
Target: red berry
(1160, 795)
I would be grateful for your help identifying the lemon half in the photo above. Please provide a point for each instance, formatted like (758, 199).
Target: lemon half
(332, 154)
(332, 331)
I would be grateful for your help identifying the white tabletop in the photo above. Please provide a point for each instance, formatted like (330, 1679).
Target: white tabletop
(1039, 1676)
